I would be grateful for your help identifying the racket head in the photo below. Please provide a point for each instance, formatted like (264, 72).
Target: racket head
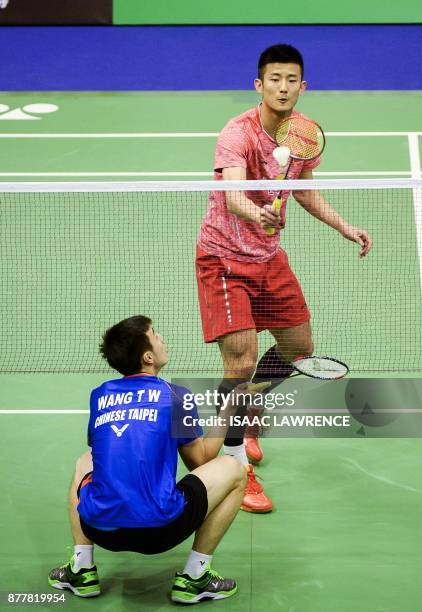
(304, 137)
(322, 368)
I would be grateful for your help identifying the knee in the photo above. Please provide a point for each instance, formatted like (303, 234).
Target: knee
(236, 470)
(83, 466)
(241, 363)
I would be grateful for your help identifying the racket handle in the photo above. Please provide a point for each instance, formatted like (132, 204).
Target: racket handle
(277, 207)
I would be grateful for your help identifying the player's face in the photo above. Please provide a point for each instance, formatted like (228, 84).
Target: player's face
(159, 349)
(281, 87)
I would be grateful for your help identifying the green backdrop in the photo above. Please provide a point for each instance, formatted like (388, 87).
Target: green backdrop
(270, 12)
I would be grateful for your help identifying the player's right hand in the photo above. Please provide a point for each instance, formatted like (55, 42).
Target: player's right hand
(250, 388)
(269, 217)
(246, 392)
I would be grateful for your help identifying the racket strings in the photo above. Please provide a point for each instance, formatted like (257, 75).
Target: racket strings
(325, 368)
(304, 138)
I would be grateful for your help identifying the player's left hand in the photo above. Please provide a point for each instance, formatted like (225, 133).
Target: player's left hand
(360, 236)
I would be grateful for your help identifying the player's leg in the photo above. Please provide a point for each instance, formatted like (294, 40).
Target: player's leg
(224, 479)
(282, 309)
(225, 293)
(79, 575)
(285, 314)
(275, 365)
(226, 289)
(83, 468)
(293, 342)
(239, 352)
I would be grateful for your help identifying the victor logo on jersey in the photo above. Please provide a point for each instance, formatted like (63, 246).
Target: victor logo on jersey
(119, 432)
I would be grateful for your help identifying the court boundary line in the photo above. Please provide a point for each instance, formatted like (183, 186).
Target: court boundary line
(415, 166)
(404, 173)
(174, 134)
(297, 411)
(43, 411)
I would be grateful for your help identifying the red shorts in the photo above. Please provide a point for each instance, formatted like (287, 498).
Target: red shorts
(235, 295)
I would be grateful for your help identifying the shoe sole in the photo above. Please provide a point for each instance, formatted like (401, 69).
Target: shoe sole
(253, 460)
(253, 511)
(204, 595)
(62, 586)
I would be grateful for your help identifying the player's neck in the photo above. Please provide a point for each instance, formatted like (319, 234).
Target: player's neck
(270, 119)
(149, 371)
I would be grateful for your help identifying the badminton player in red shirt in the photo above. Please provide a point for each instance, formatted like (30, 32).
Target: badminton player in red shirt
(245, 283)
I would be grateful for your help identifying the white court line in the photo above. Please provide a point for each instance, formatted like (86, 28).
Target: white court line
(44, 411)
(415, 166)
(366, 173)
(109, 174)
(114, 135)
(379, 477)
(207, 174)
(372, 133)
(173, 134)
(296, 411)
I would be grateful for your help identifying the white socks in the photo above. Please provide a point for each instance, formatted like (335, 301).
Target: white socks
(196, 564)
(83, 557)
(237, 451)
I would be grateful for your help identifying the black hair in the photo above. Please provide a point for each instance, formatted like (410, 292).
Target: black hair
(124, 344)
(279, 54)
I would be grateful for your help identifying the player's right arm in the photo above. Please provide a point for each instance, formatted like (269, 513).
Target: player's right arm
(203, 449)
(239, 205)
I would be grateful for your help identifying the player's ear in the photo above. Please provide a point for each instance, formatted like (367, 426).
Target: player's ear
(148, 358)
(303, 86)
(258, 85)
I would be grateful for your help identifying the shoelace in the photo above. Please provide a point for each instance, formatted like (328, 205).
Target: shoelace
(215, 574)
(253, 484)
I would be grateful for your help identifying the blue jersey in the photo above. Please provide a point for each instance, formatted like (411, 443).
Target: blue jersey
(134, 430)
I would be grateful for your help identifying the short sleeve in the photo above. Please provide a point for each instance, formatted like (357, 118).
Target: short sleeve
(185, 426)
(232, 148)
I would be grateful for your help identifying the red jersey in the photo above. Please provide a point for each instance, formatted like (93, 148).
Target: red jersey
(243, 142)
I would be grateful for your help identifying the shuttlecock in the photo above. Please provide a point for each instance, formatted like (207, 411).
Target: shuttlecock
(281, 154)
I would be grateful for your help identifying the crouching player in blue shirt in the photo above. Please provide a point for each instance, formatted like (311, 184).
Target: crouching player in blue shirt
(124, 495)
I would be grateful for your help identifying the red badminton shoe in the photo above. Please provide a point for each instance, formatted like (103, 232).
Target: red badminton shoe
(253, 450)
(254, 499)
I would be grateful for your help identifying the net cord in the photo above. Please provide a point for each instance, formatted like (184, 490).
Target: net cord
(198, 186)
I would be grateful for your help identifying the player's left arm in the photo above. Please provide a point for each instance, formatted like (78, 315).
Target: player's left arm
(315, 204)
